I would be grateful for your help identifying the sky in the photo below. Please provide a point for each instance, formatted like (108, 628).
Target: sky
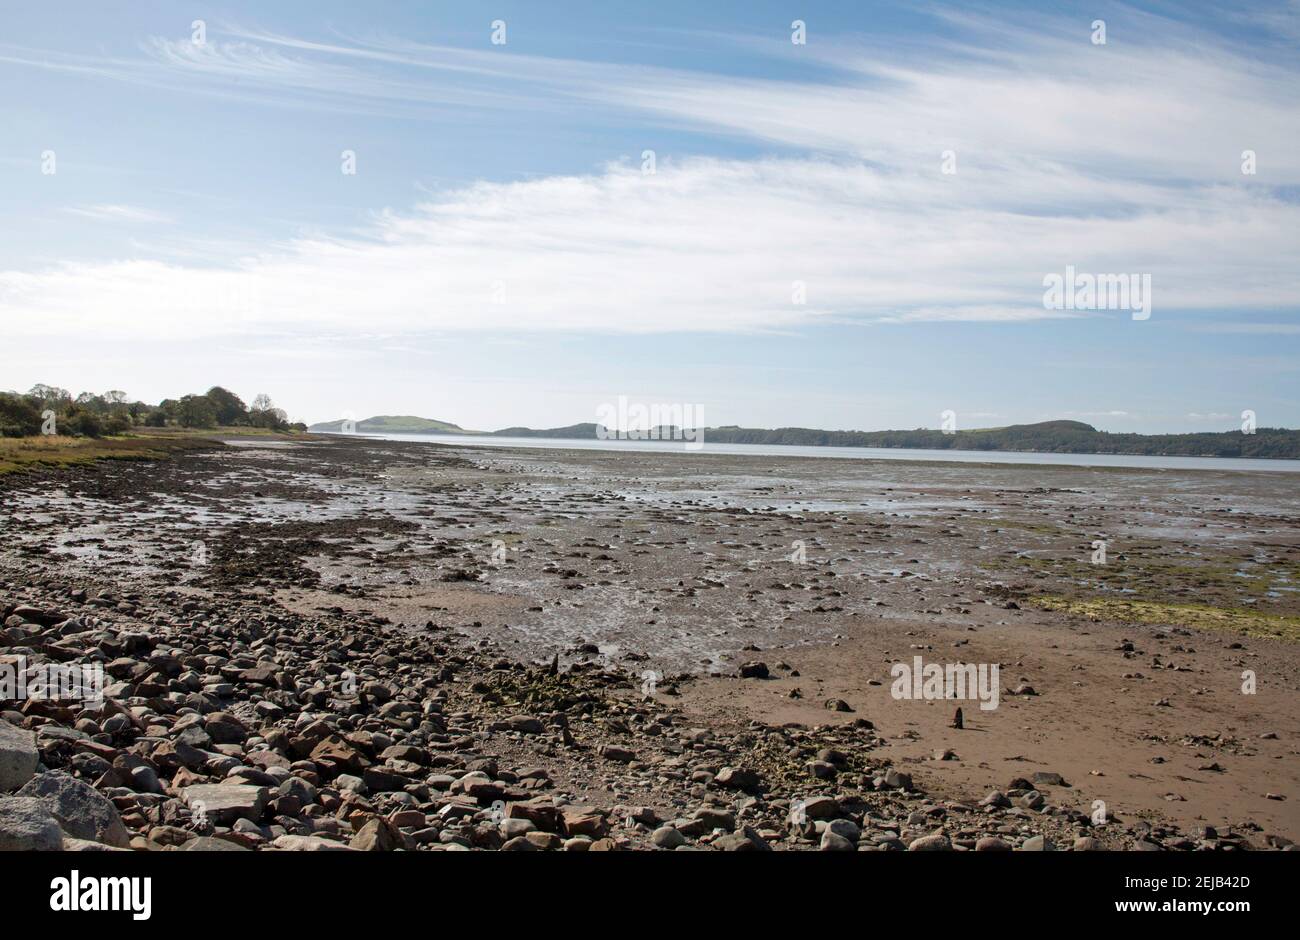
(512, 213)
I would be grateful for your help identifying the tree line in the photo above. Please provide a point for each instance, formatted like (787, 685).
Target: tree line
(1061, 437)
(49, 409)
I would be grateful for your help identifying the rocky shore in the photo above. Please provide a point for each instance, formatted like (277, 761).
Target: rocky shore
(237, 718)
(238, 726)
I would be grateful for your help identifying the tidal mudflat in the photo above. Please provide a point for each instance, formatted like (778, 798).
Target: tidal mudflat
(468, 647)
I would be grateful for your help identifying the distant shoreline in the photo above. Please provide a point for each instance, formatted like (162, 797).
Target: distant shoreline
(1049, 437)
(1175, 462)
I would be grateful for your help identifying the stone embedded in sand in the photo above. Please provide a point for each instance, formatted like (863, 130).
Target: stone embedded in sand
(938, 842)
(714, 818)
(745, 839)
(1032, 800)
(834, 842)
(754, 670)
(820, 807)
(838, 705)
(524, 724)
(821, 769)
(897, 780)
(377, 835)
(666, 837)
(736, 778)
(583, 821)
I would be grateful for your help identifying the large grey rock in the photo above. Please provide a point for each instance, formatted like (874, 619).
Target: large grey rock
(26, 825)
(223, 803)
(512, 828)
(820, 807)
(82, 811)
(846, 828)
(18, 756)
(744, 839)
(72, 844)
(309, 844)
(212, 844)
(737, 778)
(831, 842)
(666, 837)
(897, 780)
(938, 842)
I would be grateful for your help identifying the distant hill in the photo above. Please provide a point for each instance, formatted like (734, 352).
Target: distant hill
(579, 432)
(1057, 437)
(394, 424)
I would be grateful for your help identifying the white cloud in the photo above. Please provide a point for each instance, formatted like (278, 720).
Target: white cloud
(712, 245)
(1118, 159)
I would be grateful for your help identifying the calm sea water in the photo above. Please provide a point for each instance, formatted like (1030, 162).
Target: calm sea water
(861, 453)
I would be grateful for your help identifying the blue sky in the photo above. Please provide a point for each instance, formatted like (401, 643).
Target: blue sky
(503, 254)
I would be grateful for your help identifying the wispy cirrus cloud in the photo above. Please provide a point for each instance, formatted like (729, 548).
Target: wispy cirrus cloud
(1123, 159)
(704, 245)
(109, 212)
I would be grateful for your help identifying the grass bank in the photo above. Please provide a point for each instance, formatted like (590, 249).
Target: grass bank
(24, 454)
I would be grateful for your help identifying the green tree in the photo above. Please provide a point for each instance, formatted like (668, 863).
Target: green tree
(50, 396)
(196, 411)
(19, 416)
(228, 407)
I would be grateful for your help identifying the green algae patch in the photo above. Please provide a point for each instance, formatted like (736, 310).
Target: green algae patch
(1191, 616)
